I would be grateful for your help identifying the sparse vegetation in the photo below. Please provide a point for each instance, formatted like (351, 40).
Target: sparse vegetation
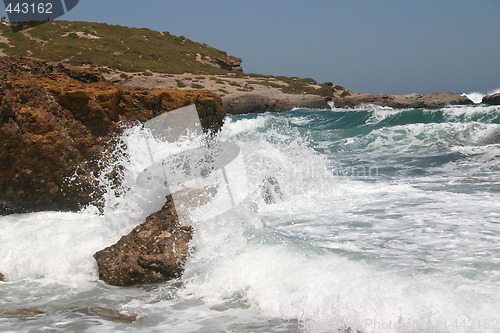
(106, 48)
(197, 86)
(180, 83)
(217, 80)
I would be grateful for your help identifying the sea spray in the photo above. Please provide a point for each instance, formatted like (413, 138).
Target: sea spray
(409, 248)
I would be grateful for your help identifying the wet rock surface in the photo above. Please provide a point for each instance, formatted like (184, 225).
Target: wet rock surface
(24, 312)
(154, 251)
(108, 314)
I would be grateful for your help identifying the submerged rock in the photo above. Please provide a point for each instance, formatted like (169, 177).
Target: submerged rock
(24, 312)
(492, 99)
(108, 314)
(154, 251)
(56, 122)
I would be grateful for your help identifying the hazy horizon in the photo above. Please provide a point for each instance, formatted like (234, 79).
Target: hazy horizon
(385, 46)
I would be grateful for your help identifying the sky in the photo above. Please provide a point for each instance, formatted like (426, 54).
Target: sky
(372, 46)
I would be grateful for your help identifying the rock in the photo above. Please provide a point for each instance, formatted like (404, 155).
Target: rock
(240, 103)
(413, 101)
(271, 190)
(2, 277)
(54, 130)
(229, 64)
(108, 314)
(154, 251)
(492, 99)
(24, 312)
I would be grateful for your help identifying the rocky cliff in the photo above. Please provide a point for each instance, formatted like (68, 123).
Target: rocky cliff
(55, 123)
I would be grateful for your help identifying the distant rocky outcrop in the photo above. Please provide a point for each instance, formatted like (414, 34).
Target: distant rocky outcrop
(413, 101)
(229, 64)
(1, 277)
(239, 103)
(154, 251)
(55, 123)
(492, 99)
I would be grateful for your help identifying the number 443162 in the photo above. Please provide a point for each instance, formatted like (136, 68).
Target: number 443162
(30, 8)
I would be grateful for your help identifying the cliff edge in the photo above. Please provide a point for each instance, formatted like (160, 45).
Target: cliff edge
(56, 122)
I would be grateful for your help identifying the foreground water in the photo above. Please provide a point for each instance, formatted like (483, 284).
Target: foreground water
(388, 221)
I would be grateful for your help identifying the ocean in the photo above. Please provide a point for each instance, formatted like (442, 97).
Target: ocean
(378, 220)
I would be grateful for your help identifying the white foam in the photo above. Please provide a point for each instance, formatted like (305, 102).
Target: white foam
(333, 252)
(477, 97)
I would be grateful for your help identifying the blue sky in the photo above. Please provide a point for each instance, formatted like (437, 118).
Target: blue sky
(375, 46)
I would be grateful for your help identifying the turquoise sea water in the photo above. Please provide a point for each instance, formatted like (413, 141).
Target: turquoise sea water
(385, 220)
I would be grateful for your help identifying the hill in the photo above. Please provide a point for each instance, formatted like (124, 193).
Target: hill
(105, 46)
(151, 59)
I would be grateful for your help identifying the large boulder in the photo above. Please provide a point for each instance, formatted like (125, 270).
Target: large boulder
(492, 99)
(412, 101)
(54, 129)
(1, 277)
(153, 252)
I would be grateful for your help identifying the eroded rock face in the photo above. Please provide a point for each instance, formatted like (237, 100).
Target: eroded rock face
(413, 101)
(55, 128)
(154, 251)
(492, 99)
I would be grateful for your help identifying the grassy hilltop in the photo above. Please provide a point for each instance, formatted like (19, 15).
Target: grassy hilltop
(113, 46)
(111, 49)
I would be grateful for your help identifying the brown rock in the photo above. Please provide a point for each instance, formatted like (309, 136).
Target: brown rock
(1, 277)
(229, 64)
(154, 251)
(53, 127)
(492, 99)
(413, 101)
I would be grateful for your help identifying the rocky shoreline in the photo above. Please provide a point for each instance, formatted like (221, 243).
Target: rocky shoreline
(250, 94)
(57, 122)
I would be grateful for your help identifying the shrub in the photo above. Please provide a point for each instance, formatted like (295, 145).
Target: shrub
(180, 83)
